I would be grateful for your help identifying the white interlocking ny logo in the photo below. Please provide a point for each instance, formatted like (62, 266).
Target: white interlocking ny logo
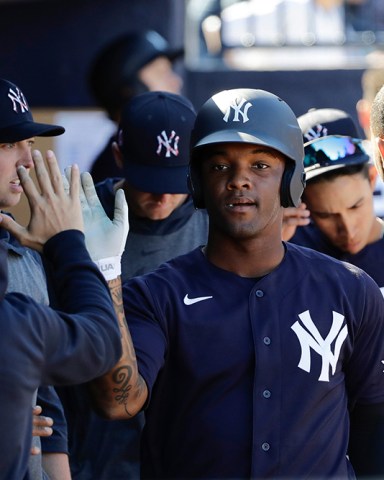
(238, 109)
(311, 338)
(18, 98)
(166, 142)
(316, 132)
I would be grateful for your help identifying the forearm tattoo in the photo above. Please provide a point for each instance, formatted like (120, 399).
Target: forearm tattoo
(127, 383)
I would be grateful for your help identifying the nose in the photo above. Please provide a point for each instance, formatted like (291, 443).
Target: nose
(346, 227)
(25, 158)
(160, 197)
(239, 179)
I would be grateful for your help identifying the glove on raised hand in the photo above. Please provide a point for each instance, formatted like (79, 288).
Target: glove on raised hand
(105, 239)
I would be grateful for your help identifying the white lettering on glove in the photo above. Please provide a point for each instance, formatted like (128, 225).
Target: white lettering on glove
(105, 238)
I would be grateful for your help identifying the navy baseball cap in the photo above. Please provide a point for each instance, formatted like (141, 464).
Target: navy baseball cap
(113, 74)
(153, 136)
(331, 141)
(16, 121)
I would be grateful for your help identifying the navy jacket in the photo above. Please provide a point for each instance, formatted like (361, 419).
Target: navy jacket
(40, 346)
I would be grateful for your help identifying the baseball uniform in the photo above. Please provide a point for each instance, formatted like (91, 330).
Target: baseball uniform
(253, 378)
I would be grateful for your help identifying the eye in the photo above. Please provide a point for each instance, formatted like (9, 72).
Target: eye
(356, 206)
(31, 143)
(260, 166)
(322, 216)
(7, 146)
(220, 167)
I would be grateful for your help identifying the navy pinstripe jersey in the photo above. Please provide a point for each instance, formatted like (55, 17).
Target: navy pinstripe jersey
(254, 378)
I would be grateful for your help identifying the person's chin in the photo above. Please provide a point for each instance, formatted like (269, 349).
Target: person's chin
(159, 217)
(13, 200)
(354, 248)
(158, 213)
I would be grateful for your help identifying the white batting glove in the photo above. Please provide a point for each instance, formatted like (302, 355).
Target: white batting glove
(105, 239)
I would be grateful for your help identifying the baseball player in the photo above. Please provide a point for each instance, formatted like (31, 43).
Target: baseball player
(153, 150)
(340, 185)
(254, 358)
(131, 64)
(26, 275)
(38, 345)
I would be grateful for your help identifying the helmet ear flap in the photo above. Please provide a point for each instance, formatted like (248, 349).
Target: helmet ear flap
(194, 186)
(292, 185)
(285, 193)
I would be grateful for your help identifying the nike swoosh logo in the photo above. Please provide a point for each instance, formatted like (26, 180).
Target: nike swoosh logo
(191, 301)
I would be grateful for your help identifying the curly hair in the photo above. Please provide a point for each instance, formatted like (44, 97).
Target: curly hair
(377, 114)
(377, 128)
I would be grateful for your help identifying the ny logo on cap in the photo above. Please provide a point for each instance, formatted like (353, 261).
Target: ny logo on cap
(18, 98)
(166, 142)
(239, 108)
(316, 132)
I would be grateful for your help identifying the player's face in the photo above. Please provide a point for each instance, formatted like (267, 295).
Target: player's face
(152, 205)
(159, 75)
(13, 155)
(241, 184)
(343, 210)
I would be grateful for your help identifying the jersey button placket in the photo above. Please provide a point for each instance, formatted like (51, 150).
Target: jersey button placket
(265, 446)
(267, 394)
(263, 436)
(267, 341)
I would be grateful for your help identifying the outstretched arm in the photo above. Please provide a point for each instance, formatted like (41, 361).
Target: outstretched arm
(66, 347)
(122, 392)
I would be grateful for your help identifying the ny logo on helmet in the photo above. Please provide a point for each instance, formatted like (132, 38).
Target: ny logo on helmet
(310, 337)
(166, 142)
(239, 108)
(316, 132)
(18, 98)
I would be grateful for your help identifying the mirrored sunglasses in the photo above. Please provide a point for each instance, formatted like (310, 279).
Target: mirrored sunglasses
(332, 150)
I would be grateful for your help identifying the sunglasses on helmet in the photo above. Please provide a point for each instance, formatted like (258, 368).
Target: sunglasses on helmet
(333, 150)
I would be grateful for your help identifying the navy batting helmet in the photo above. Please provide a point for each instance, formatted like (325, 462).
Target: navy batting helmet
(250, 116)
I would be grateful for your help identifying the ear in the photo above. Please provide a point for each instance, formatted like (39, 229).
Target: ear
(380, 144)
(363, 114)
(379, 156)
(372, 176)
(118, 156)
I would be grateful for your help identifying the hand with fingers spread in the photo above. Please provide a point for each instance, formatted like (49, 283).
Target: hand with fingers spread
(53, 210)
(105, 239)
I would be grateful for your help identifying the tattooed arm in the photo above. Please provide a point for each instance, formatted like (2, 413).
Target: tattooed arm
(122, 392)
